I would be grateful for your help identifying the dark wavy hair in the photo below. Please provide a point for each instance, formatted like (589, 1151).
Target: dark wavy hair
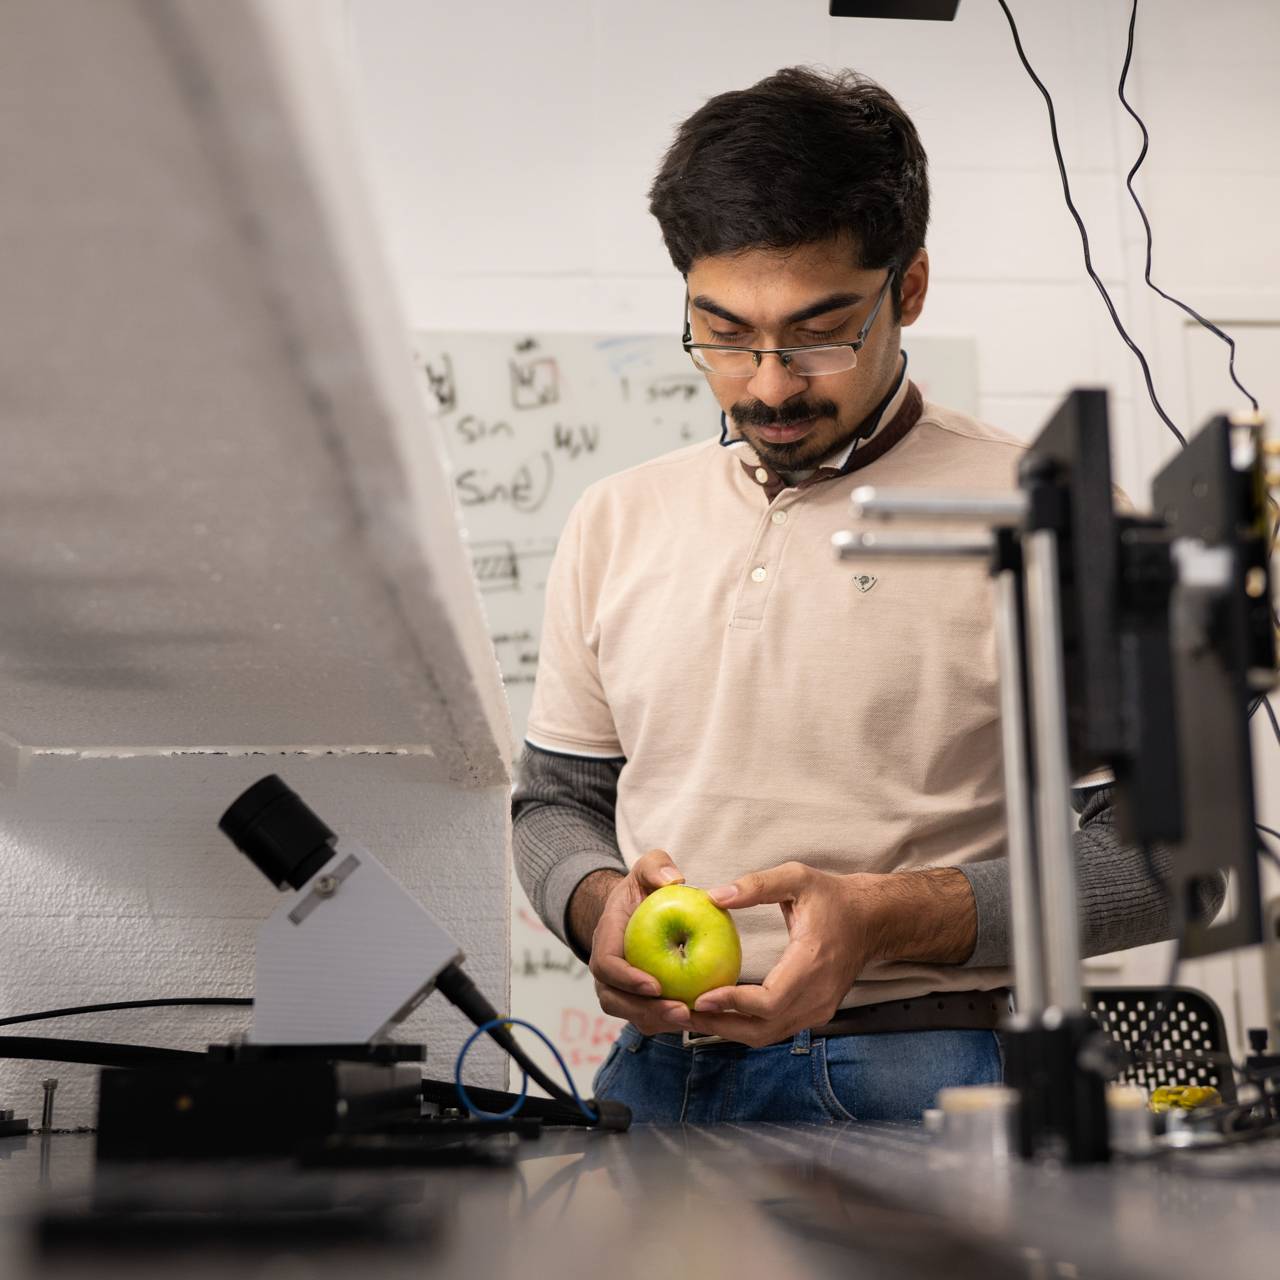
(801, 156)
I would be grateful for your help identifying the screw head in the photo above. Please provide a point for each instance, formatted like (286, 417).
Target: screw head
(326, 886)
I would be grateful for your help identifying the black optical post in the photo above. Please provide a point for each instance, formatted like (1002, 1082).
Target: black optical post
(1212, 498)
(1115, 580)
(1128, 644)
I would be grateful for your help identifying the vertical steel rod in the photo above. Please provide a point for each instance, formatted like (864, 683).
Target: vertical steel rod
(46, 1111)
(1024, 880)
(1063, 986)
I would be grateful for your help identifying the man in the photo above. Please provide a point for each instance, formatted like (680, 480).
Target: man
(717, 699)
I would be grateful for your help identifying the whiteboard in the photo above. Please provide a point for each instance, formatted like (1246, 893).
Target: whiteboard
(529, 421)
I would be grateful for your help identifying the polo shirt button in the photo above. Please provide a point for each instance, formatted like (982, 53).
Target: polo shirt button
(762, 475)
(779, 517)
(759, 573)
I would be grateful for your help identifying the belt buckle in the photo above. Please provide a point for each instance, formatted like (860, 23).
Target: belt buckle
(692, 1039)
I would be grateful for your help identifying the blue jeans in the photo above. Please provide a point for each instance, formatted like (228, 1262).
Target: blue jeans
(835, 1080)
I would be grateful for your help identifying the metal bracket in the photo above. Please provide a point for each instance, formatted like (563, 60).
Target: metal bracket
(323, 887)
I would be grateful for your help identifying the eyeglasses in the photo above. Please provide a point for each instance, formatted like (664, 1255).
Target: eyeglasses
(811, 361)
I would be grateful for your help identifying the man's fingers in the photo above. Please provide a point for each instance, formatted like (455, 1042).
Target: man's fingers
(649, 1017)
(787, 986)
(607, 961)
(611, 931)
(751, 1002)
(778, 884)
(608, 965)
(747, 1001)
(614, 971)
(654, 869)
(740, 1028)
(744, 999)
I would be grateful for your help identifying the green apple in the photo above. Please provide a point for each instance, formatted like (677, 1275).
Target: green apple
(679, 936)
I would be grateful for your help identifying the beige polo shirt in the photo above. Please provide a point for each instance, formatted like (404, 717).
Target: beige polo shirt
(771, 702)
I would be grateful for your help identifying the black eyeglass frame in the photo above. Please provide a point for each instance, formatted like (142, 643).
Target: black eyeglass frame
(785, 354)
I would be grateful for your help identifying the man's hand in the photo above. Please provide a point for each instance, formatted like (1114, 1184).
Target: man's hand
(837, 925)
(624, 991)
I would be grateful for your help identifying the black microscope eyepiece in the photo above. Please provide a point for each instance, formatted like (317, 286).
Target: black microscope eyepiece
(272, 826)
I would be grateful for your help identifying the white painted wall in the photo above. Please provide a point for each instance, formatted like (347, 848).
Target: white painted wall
(512, 146)
(227, 539)
(512, 151)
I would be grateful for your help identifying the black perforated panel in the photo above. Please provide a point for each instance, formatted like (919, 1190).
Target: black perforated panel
(1192, 1034)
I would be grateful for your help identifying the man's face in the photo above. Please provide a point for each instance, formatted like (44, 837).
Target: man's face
(798, 297)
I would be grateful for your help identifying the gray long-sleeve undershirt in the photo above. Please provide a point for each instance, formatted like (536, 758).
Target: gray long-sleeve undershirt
(563, 830)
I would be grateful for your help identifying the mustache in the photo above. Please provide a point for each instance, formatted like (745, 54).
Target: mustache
(755, 413)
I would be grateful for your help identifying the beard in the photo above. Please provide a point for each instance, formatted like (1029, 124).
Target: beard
(798, 455)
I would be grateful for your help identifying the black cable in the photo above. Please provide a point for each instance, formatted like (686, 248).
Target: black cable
(444, 1093)
(94, 1052)
(1177, 302)
(1084, 235)
(456, 986)
(1271, 715)
(125, 1004)
(1265, 849)
(98, 1053)
(1142, 213)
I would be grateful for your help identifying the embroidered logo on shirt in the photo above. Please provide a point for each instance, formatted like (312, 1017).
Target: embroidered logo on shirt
(864, 582)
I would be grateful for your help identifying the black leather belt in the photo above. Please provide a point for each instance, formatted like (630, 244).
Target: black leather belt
(941, 1011)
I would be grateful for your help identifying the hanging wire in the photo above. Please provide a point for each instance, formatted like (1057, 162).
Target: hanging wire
(1142, 213)
(1084, 234)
